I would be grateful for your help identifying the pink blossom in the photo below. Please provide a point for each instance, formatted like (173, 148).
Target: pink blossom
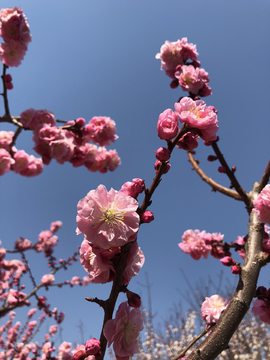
(34, 168)
(53, 330)
(188, 51)
(12, 53)
(55, 226)
(31, 312)
(6, 138)
(97, 262)
(197, 115)
(227, 261)
(64, 351)
(113, 160)
(262, 205)
(108, 219)
(123, 331)
(191, 79)
(167, 126)
(22, 161)
(261, 308)
(102, 130)
(133, 188)
(235, 269)
(75, 280)
(240, 240)
(170, 56)
(22, 244)
(194, 244)
(5, 161)
(47, 279)
(134, 262)
(212, 308)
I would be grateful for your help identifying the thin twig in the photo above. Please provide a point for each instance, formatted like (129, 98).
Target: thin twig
(265, 178)
(215, 186)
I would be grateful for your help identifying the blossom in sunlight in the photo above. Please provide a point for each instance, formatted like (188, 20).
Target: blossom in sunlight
(107, 218)
(262, 205)
(47, 279)
(194, 244)
(197, 115)
(212, 308)
(167, 126)
(123, 331)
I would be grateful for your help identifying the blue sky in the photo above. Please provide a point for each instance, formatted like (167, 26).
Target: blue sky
(97, 58)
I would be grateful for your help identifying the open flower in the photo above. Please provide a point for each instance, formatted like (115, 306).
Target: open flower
(108, 219)
(212, 308)
(262, 205)
(123, 331)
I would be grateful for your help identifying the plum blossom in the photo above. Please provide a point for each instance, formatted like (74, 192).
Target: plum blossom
(262, 205)
(261, 308)
(194, 244)
(197, 115)
(6, 138)
(5, 161)
(97, 262)
(134, 262)
(133, 188)
(124, 330)
(47, 279)
(107, 218)
(212, 308)
(192, 79)
(12, 53)
(101, 130)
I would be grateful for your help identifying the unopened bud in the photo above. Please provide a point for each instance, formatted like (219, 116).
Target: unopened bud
(92, 347)
(147, 216)
(80, 355)
(227, 261)
(235, 269)
(174, 84)
(221, 169)
(134, 300)
(163, 154)
(212, 158)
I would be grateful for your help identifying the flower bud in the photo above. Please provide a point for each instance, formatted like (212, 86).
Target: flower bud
(163, 154)
(174, 84)
(134, 300)
(80, 355)
(221, 169)
(147, 216)
(227, 261)
(212, 158)
(235, 269)
(92, 347)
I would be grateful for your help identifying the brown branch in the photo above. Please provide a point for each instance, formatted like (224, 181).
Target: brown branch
(265, 178)
(232, 177)
(219, 338)
(215, 186)
(5, 67)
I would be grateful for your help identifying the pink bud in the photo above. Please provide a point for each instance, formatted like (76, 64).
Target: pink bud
(134, 300)
(158, 164)
(92, 347)
(235, 269)
(147, 216)
(227, 261)
(221, 169)
(80, 122)
(233, 169)
(163, 154)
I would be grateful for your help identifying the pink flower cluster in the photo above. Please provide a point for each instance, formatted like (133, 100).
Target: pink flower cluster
(212, 308)
(188, 75)
(15, 32)
(123, 331)
(109, 220)
(262, 205)
(71, 142)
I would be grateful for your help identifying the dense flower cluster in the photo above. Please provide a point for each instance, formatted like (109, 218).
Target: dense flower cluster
(15, 32)
(188, 75)
(69, 143)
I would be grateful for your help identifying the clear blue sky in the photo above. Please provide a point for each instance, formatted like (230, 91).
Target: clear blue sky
(97, 58)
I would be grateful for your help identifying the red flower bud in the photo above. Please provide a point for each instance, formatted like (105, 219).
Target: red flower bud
(134, 300)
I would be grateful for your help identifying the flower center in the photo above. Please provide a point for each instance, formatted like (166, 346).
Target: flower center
(112, 217)
(196, 112)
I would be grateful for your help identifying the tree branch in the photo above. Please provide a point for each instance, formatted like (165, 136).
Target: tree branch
(215, 186)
